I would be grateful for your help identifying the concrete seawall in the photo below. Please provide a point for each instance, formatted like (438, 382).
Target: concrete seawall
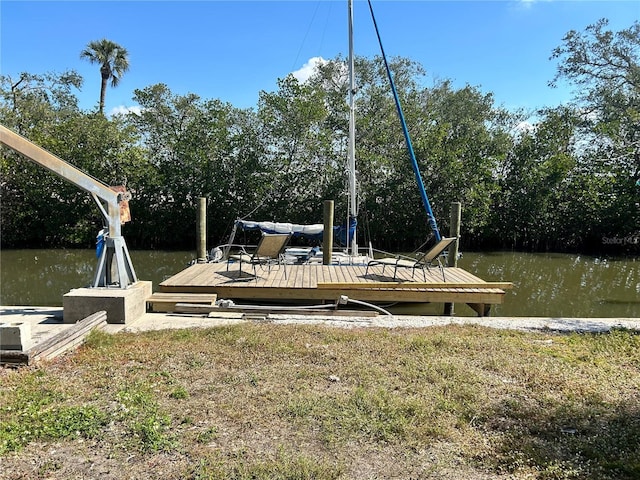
(48, 321)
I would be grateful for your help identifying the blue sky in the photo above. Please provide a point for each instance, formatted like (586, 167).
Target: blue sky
(233, 50)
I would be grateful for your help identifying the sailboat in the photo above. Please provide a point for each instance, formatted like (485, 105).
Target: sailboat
(317, 288)
(347, 235)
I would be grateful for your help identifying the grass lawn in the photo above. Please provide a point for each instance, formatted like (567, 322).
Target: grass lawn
(295, 402)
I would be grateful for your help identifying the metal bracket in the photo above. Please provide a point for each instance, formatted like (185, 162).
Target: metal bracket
(125, 275)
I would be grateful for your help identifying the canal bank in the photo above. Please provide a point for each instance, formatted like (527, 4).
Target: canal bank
(45, 323)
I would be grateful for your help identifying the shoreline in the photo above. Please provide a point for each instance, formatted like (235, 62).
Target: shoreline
(49, 337)
(45, 320)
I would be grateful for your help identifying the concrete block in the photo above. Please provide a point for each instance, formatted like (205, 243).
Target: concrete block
(15, 336)
(123, 305)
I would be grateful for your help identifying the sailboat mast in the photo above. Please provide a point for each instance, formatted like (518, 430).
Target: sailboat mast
(353, 201)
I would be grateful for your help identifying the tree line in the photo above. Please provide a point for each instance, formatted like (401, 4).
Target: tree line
(569, 182)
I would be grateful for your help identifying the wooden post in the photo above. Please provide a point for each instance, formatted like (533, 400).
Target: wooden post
(452, 255)
(327, 236)
(454, 231)
(201, 230)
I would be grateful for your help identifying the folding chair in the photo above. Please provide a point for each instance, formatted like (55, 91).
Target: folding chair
(270, 251)
(423, 261)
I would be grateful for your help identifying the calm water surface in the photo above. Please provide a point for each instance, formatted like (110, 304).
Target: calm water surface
(544, 284)
(552, 284)
(42, 277)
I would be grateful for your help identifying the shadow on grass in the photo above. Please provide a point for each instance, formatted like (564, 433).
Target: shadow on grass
(588, 441)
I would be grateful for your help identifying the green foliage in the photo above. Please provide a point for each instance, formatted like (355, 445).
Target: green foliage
(208, 435)
(99, 339)
(179, 393)
(533, 200)
(40, 208)
(519, 186)
(147, 425)
(299, 152)
(195, 148)
(605, 66)
(31, 413)
(51, 424)
(464, 144)
(113, 60)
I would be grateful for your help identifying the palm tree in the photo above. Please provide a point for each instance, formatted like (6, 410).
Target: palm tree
(113, 60)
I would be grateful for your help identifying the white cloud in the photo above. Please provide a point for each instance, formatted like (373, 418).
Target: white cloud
(524, 128)
(123, 110)
(308, 69)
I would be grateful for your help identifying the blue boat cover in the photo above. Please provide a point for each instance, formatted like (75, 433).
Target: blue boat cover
(341, 234)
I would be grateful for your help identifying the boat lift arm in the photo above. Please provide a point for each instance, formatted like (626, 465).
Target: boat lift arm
(108, 202)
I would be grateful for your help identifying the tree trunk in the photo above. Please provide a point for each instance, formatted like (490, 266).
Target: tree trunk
(103, 91)
(105, 72)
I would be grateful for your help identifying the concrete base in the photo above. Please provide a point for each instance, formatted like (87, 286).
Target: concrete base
(15, 336)
(123, 305)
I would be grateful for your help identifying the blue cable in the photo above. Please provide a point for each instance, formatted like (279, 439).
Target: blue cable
(414, 162)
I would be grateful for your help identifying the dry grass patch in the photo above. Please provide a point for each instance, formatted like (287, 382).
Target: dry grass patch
(265, 401)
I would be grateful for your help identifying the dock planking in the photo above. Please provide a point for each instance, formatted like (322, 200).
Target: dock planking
(314, 283)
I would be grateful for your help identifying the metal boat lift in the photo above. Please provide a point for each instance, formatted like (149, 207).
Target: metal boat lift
(107, 199)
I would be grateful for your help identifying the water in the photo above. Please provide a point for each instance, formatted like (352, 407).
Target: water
(550, 285)
(42, 277)
(561, 285)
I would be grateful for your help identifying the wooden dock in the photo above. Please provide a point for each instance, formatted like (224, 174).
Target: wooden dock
(313, 284)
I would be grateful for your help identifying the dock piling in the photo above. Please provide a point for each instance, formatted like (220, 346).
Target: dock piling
(201, 230)
(454, 231)
(452, 256)
(327, 236)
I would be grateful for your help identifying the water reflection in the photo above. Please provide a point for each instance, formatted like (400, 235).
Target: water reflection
(42, 277)
(561, 284)
(550, 285)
